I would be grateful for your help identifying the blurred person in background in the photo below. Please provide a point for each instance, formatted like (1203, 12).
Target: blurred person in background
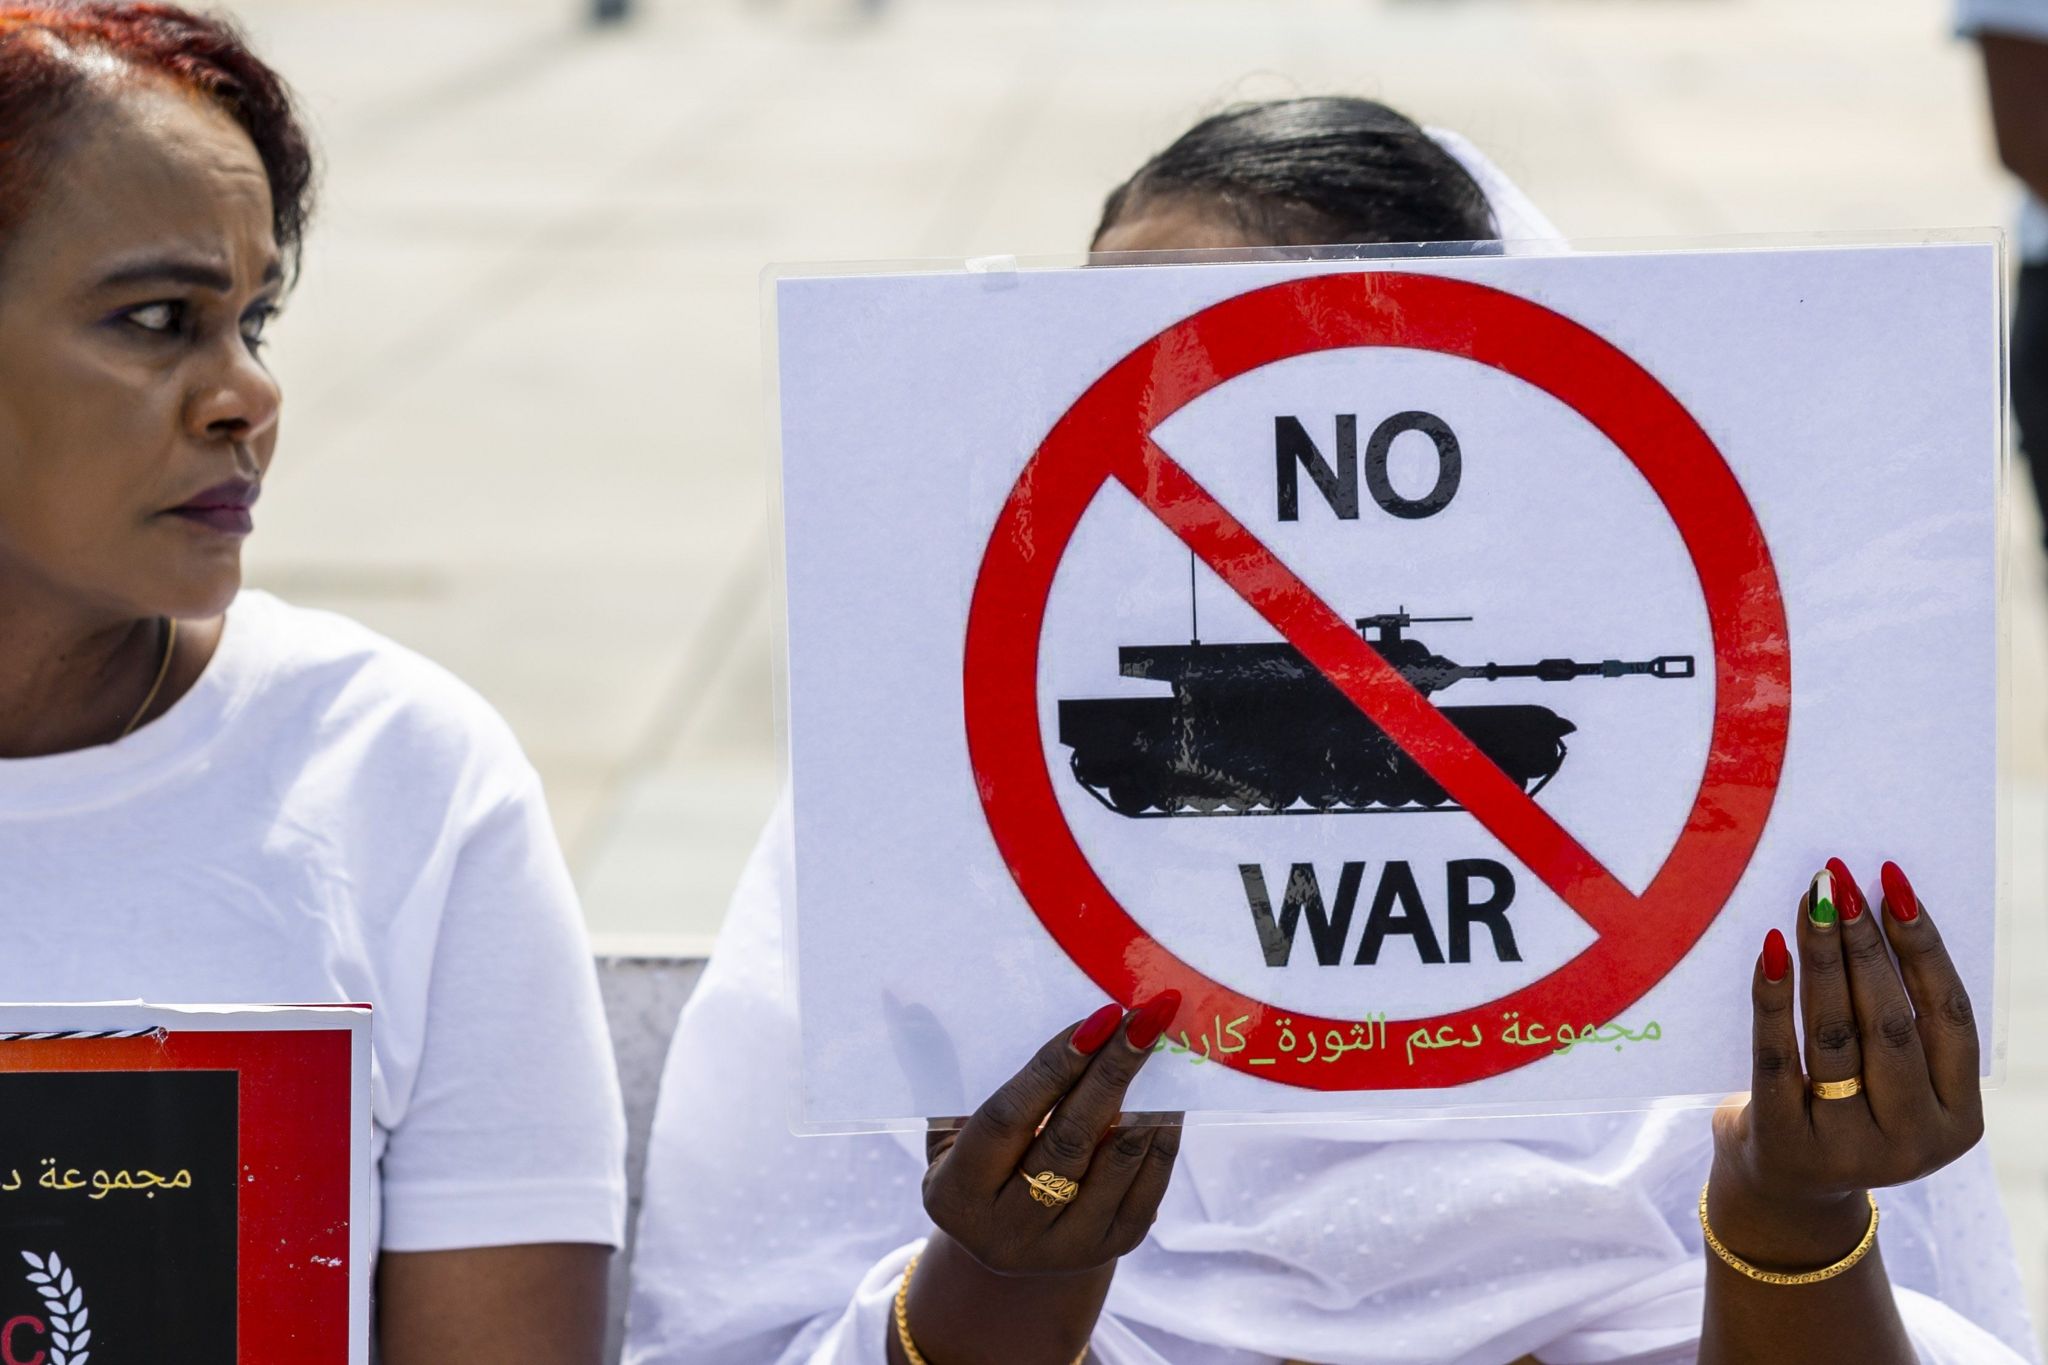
(2013, 35)
(1481, 1241)
(208, 796)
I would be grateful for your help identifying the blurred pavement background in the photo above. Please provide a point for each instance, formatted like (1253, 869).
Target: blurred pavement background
(524, 428)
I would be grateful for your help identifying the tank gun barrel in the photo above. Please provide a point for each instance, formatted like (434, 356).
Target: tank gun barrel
(1564, 670)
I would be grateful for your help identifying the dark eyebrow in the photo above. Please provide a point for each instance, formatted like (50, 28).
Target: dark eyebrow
(172, 271)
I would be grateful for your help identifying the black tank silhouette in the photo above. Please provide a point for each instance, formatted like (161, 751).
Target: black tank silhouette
(1255, 729)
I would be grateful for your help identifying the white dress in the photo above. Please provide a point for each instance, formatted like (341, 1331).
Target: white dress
(1467, 1242)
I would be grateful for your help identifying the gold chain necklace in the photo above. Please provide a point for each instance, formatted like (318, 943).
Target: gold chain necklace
(163, 670)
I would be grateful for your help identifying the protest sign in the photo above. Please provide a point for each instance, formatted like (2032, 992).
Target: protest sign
(1441, 672)
(184, 1184)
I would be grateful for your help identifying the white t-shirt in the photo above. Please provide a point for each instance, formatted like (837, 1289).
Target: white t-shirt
(2021, 19)
(328, 817)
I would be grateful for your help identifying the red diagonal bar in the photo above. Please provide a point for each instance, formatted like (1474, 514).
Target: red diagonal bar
(1104, 436)
(1330, 643)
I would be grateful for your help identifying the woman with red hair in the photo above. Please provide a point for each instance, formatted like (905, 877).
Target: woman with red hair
(209, 796)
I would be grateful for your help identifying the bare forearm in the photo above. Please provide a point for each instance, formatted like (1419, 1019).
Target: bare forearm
(2016, 74)
(1018, 1265)
(1850, 1317)
(493, 1304)
(962, 1313)
(1845, 1105)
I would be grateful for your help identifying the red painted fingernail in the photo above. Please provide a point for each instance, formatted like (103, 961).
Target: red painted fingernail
(1777, 958)
(1096, 1028)
(1151, 1020)
(1853, 904)
(1899, 894)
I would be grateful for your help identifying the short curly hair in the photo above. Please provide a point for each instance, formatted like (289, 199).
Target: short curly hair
(44, 82)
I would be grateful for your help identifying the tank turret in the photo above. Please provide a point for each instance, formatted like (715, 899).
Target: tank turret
(1255, 729)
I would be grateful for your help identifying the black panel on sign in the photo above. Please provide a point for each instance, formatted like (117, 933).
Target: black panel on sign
(123, 1188)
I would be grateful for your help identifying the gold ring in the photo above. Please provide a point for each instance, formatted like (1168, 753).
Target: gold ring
(1051, 1190)
(1837, 1090)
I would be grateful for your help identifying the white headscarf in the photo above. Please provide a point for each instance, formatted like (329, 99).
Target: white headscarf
(1515, 215)
(1446, 1242)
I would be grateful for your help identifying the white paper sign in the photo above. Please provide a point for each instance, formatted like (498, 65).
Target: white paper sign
(1442, 672)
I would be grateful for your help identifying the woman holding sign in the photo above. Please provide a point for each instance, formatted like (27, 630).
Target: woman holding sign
(208, 796)
(1043, 1232)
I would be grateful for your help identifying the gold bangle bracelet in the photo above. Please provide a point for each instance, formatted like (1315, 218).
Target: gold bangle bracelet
(910, 1351)
(1742, 1267)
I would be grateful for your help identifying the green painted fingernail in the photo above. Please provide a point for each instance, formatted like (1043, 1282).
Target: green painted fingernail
(1822, 911)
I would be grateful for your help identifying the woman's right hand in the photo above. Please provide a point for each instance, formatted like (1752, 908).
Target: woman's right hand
(1009, 1277)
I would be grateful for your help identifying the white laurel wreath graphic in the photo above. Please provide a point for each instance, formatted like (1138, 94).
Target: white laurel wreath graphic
(65, 1303)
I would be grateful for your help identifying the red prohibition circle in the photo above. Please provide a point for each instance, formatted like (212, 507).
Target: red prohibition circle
(1107, 435)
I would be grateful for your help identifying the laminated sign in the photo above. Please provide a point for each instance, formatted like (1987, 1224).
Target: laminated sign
(184, 1185)
(1442, 672)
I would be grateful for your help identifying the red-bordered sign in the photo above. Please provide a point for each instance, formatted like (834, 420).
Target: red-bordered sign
(1107, 435)
(295, 1129)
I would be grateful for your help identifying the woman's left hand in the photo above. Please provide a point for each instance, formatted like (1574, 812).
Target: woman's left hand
(1791, 1169)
